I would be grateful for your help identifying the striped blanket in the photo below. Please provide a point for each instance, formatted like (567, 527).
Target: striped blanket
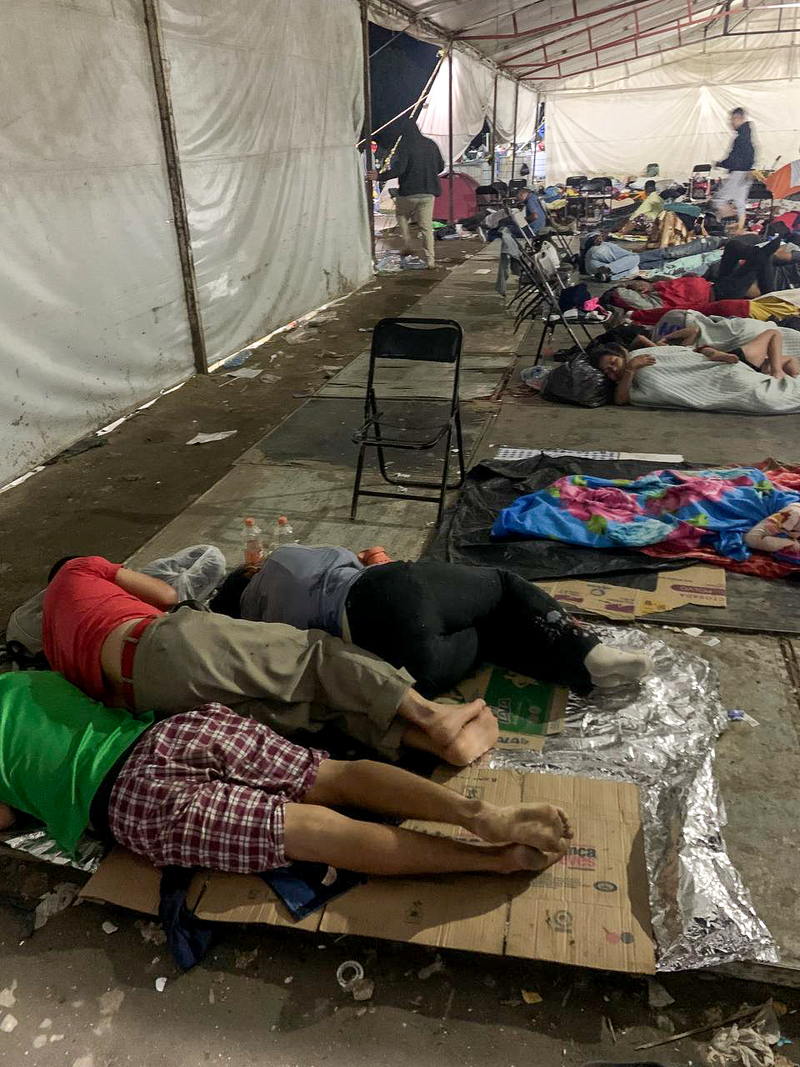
(682, 378)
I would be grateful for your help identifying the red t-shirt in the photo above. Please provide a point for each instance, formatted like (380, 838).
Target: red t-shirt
(687, 292)
(82, 605)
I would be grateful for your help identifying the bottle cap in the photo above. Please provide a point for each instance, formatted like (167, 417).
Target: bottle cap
(282, 520)
(249, 522)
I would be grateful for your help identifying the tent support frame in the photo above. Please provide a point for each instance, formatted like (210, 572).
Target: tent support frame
(365, 130)
(514, 136)
(493, 132)
(183, 237)
(451, 210)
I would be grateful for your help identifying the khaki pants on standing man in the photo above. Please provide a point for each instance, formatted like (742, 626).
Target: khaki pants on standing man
(417, 212)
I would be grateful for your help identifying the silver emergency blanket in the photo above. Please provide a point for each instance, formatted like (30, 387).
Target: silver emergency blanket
(660, 735)
(88, 852)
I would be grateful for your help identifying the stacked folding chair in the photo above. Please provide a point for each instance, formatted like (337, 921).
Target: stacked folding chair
(542, 280)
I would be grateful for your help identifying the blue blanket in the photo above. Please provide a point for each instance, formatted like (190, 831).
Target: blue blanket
(688, 509)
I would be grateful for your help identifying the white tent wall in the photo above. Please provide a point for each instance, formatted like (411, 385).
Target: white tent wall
(268, 105)
(473, 101)
(676, 112)
(91, 299)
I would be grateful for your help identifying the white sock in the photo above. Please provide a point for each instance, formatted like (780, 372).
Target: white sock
(610, 681)
(605, 663)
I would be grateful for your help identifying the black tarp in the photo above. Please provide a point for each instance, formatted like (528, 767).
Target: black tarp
(464, 534)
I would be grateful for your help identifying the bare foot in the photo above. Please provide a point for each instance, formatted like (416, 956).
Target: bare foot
(477, 737)
(541, 826)
(441, 722)
(514, 858)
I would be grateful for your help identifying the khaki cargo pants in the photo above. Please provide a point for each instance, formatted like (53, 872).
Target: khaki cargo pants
(417, 212)
(289, 679)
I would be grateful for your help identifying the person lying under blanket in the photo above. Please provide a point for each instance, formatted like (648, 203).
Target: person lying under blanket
(746, 271)
(212, 789)
(758, 344)
(671, 376)
(695, 329)
(778, 534)
(439, 621)
(107, 630)
(715, 508)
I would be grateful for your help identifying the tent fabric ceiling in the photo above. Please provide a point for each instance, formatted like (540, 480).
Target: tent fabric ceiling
(546, 42)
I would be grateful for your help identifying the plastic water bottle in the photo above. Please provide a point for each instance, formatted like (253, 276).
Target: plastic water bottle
(253, 543)
(282, 534)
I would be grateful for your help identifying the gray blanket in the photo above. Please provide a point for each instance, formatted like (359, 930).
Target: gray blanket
(682, 378)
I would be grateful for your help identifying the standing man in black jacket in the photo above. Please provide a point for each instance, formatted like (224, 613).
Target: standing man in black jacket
(739, 162)
(417, 165)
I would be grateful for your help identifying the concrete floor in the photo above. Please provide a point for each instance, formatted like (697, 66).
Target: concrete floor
(282, 1006)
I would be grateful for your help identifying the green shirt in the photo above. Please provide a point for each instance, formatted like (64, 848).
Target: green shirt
(651, 206)
(56, 746)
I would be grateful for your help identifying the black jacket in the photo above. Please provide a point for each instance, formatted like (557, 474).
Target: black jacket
(742, 155)
(417, 165)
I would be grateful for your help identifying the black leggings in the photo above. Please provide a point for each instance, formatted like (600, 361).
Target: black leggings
(735, 278)
(441, 620)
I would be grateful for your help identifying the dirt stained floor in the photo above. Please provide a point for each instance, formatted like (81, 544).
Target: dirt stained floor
(111, 499)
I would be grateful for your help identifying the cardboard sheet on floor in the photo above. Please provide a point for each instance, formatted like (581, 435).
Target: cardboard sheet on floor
(591, 909)
(704, 586)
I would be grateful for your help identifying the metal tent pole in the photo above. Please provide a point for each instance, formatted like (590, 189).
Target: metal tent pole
(451, 212)
(493, 135)
(535, 141)
(367, 127)
(175, 178)
(514, 138)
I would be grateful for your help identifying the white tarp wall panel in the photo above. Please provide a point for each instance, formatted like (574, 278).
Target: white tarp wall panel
(675, 114)
(473, 101)
(91, 299)
(268, 104)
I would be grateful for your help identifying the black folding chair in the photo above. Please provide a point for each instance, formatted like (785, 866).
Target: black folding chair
(424, 341)
(540, 286)
(758, 196)
(515, 185)
(596, 191)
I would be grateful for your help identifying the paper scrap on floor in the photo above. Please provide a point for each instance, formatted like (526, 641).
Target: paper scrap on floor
(591, 909)
(244, 372)
(207, 438)
(700, 585)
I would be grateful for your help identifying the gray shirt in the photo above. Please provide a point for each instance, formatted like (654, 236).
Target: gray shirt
(302, 587)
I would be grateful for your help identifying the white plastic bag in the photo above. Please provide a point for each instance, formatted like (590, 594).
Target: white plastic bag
(194, 573)
(25, 624)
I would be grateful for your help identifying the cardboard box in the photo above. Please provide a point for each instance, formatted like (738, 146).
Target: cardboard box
(701, 585)
(616, 602)
(591, 909)
(527, 711)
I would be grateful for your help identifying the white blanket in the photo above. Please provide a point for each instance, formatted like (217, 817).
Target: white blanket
(682, 378)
